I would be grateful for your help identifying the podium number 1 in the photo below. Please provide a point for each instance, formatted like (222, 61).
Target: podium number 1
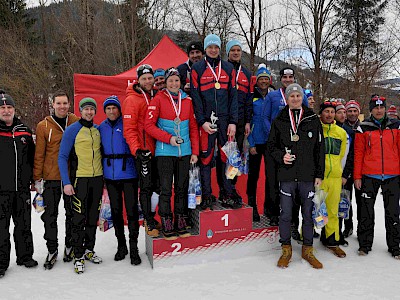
(225, 218)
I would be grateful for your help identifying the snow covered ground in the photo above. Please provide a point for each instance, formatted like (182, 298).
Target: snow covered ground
(375, 276)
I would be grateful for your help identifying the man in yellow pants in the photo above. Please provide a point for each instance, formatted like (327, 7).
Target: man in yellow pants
(335, 147)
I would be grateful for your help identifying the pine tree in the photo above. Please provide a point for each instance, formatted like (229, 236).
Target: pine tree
(13, 14)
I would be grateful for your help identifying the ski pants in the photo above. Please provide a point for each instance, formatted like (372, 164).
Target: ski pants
(120, 192)
(330, 235)
(174, 170)
(18, 206)
(85, 213)
(52, 195)
(391, 193)
(288, 191)
(271, 205)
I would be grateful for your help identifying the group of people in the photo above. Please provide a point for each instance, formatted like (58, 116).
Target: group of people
(172, 119)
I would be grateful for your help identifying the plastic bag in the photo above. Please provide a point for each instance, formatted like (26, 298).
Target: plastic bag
(244, 166)
(320, 213)
(38, 201)
(105, 219)
(194, 191)
(344, 204)
(233, 159)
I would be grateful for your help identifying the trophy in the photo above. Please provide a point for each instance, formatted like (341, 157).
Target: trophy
(214, 120)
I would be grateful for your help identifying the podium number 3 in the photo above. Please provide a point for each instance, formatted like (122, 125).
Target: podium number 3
(225, 218)
(177, 249)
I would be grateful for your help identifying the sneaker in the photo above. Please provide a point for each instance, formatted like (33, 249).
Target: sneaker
(150, 227)
(180, 225)
(50, 260)
(28, 263)
(347, 232)
(168, 229)
(274, 221)
(68, 254)
(286, 256)
(2, 273)
(121, 253)
(79, 264)
(92, 256)
(135, 257)
(336, 251)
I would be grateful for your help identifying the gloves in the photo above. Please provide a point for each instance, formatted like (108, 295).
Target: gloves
(143, 155)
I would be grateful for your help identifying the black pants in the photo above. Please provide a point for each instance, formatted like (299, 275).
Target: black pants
(254, 174)
(148, 183)
(129, 188)
(271, 205)
(18, 206)
(85, 213)
(288, 192)
(52, 195)
(173, 169)
(391, 193)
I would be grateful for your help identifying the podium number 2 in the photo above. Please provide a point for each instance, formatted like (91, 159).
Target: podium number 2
(177, 249)
(225, 218)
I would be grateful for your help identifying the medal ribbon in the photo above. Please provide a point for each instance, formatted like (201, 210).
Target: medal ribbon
(283, 96)
(293, 123)
(212, 70)
(177, 110)
(237, 75)
(145, 97)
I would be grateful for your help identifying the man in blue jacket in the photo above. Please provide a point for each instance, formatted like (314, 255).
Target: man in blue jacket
(274, 103)
(121, 177)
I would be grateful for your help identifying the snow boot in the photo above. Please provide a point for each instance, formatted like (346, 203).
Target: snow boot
(336, 251)
(50, 260)
(92, 257)
(28, 263)
(180, 226)
(122, 251)
(229, 201)
(206, 203)
(168, 228)
(68, 254)
(79, 265)
(307, 253)
(150, 227)
(286, 256)
(133, 246)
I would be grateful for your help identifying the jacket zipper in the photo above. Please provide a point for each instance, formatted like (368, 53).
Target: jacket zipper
(329, 153)
(16, 157)
(51, 131)
(91, 135)
(383, 174)
(112, 150)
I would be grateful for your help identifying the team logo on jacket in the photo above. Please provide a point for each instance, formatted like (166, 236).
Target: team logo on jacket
(310, 134)
(23, 140)
(127, 116)
(118, 130)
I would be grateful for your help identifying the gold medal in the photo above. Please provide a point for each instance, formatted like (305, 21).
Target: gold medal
(217, 85)
(295, 138)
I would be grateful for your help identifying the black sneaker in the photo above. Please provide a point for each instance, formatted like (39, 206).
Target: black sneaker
(2, 273)
(135, 258)
(50, 260)
(68, 254)
(206, 203)
(121, 253)
(347, 232)
(274, 221)
(28, 263)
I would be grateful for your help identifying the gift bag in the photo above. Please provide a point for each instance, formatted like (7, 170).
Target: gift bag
(344, 204)
(105, 219)
(233, 159)
(244, 166)
(320, 213)
(38, 201)
(194, 191)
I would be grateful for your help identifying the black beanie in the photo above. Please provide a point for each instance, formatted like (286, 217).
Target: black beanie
(285, 71)
(195, 45)
(144, 69)
(375, 101)
(6, 99)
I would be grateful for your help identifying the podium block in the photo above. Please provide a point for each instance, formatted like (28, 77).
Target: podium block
(219, 234)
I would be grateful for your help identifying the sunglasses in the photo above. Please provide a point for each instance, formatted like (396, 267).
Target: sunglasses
(376, 98)
(171, 71)
(331, 103)
(142, 67)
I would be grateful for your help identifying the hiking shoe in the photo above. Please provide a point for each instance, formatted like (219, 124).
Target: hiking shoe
(168, 229)
(336, 251)
(347, 232)
(150, 228)
(79, 265)
(28, 263)
(180, 225)
(121, 253)
(135, 257)
(68, 254)
(50, 260)
(286, 256)
(307, 253)
(92, 256)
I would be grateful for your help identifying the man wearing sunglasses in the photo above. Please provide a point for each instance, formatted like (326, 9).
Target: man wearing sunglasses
(377, 165)
(142, 145)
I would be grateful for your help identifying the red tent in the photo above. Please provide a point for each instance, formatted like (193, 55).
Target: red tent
(164, 55)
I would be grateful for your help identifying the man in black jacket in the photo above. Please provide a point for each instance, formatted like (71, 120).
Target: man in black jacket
(17, 150)
(296, 144)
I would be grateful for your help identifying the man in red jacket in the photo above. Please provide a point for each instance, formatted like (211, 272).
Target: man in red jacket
(134, 110)
(377, 165)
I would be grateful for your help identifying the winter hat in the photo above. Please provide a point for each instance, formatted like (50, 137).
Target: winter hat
(6, 99)
(339, 107)
(262, 71)
(294, 87)
(232, 43)
(353, 104)
(144, 69)
(159, 72)
(375, 101)
(87, 102)
(170, 72)
(286, 71)
(308, 93)
(392, 110)
(328, 103)
(195, 45)
(212, 39)
(112, 100)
